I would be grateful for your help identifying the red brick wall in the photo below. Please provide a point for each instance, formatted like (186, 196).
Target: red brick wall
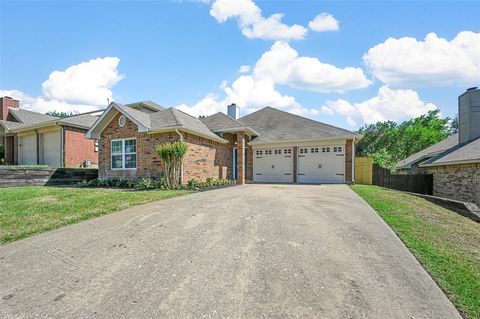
(5, 103)
(77, 148)
(348, 161)
(205, 158)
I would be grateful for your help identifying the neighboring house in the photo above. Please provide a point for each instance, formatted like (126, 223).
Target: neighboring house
(32, 138)
(455, 162)
(265, 146)
(411, 165)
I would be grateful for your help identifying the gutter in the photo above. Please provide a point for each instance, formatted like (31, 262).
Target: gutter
(472, 161)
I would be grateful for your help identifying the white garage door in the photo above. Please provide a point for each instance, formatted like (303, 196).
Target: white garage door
(27, 149)
(321, 164)
(50, 149)
(273, 165)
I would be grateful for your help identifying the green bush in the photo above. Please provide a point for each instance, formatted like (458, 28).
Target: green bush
(171, 156)
(152, 183)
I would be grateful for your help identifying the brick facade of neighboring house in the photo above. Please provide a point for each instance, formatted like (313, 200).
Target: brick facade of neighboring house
(205, 158)
(460, 182)
(77, 148)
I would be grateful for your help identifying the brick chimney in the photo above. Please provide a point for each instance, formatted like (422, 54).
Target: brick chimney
(5, 103)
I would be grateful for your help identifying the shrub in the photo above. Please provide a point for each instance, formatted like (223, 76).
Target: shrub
(152, 183)
(171, 156)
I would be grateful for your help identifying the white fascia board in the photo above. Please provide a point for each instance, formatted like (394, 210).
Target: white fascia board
(304, 142)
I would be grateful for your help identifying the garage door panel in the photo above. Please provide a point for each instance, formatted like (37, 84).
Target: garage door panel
(28, 150)
(273, 165)
(50, 151)
(321, 164)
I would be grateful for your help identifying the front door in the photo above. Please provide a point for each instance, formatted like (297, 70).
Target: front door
(235, 161)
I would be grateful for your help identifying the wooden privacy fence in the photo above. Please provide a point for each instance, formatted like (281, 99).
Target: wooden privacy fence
(363, 170)
(415, 183)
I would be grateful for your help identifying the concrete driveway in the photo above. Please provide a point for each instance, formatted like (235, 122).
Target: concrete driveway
(255, 251)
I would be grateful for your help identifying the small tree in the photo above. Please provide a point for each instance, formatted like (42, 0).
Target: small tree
(171, 156)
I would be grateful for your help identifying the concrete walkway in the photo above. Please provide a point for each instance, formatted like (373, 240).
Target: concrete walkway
(255, 251)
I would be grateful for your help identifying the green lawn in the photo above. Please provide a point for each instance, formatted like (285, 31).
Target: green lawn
(445, 243)
(25, 211)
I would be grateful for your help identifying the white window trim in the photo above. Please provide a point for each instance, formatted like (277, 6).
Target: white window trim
(123, 154)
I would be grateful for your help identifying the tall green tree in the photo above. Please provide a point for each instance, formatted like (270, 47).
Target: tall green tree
(389, 142)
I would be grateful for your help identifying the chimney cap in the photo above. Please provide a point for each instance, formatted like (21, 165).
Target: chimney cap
(472, 88)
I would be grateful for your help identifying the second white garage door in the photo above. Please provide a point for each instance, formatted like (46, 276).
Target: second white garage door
(273, 165)
(321, 164)
(50, 148)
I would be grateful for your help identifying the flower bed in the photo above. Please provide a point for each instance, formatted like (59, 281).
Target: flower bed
(154, 183)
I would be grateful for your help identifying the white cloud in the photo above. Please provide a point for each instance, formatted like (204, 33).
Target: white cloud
(283, 64)
(280, 65)
(85, 83)
(244, 69)
(82, 87)
(324, 22)
(389, 104)
(407, 62)
(253, 24)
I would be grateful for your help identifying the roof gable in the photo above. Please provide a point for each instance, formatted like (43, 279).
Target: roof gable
(276, 125)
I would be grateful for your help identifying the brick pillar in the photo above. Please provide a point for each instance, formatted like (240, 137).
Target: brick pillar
(241, 158)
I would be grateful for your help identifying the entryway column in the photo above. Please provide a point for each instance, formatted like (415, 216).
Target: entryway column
(241, 158)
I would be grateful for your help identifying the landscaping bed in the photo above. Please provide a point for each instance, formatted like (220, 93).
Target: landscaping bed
(445, 243)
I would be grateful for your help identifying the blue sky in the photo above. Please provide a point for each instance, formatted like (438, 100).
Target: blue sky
(188, 54)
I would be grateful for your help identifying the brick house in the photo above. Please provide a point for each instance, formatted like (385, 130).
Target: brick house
(31, 138)
(265, 146)
(455, 161)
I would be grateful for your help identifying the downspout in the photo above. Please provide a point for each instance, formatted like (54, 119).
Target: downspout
(37, 137)
(353, 161)
(62, 146)
(181, 166)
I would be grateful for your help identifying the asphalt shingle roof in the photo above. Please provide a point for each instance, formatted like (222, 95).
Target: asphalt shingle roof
(465, 152)
(172, 117)
(220, 121)
(146, 103)
(9, 125)
(82, 120)
(139, 116)
(430, 151)
(29, 117)
(275, 125)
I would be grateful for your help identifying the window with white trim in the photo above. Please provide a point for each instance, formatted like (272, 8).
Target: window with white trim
(124, 153)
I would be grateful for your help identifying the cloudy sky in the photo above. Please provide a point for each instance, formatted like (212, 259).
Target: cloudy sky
(344, 63)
